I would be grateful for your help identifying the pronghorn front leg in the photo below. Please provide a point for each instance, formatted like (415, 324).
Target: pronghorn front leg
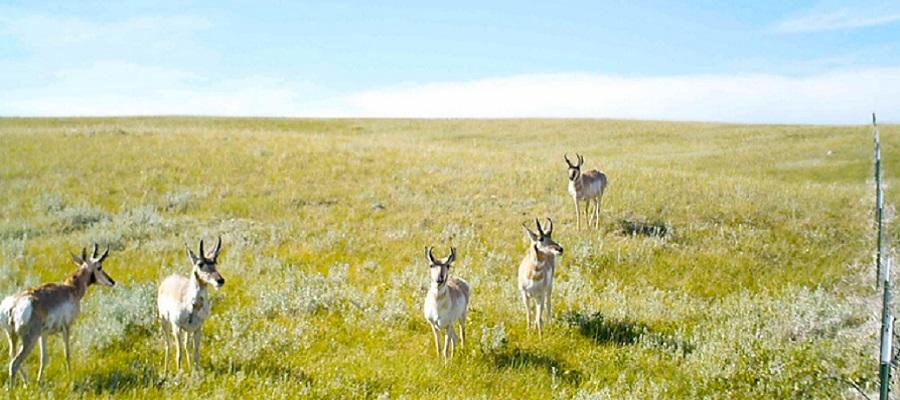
(177, 335)
(577, 214)
(447, 342)
(539, 310)
(527, 311)
(168, 343)
(187, 349)
(437, 338)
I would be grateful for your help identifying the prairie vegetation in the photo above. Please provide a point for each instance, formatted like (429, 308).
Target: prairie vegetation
(732, 261)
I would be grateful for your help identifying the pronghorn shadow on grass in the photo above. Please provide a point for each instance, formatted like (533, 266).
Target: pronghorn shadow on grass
(263, 369)
(602, 330)
(519, 358)
(138, 375)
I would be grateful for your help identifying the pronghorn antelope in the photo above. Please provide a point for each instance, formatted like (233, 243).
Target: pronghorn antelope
(30, 316)
(446, 302)
(536, 273)
(588, 187)
(183, 304)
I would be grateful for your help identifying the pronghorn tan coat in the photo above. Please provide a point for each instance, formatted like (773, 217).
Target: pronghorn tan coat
(183, 304)
(446, 303)
(535, 278)
(587, 187)
(52, 308)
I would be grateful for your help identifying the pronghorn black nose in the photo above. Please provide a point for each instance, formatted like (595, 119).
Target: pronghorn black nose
(220, 281)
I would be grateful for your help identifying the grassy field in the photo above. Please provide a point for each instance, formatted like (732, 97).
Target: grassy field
(762, 287)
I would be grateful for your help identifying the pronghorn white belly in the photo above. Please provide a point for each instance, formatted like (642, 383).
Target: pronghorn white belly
(442, 313)
(185, 316)
(60, 317)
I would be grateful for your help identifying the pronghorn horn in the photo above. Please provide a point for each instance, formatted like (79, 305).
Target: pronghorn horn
(566, 156)
(580, 160)
(540, 229)
(103, 256)
(451, 257)
(201, 253)
(83, 254)
(429, 253)
(215, 252)
(549, 226)
(94, 253)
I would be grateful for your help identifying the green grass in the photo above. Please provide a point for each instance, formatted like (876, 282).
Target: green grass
(762, 287)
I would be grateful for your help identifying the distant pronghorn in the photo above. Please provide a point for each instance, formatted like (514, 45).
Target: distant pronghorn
(446, 302)
(536, 272)
(183, 303)
(32, 315)
(587, 187)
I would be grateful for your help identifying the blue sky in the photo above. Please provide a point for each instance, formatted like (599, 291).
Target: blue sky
(762, 61)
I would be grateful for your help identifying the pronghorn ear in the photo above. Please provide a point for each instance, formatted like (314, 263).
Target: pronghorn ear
(78, 261)
(531, 235)
(190, 254)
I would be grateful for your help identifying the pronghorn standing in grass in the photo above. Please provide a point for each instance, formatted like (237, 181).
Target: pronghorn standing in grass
(183, 304)
(32, 315)
(536, 273)
(588, 187)
(446, 302)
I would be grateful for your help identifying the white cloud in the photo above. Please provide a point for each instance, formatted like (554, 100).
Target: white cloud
(845, 18)
(846, 96)
(842, 97)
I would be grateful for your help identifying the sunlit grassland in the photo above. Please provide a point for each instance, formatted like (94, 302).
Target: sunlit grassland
(760, 289)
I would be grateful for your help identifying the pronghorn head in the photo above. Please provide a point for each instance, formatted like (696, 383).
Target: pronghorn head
(93, 265)
(541, 241)
(440, 269)
(205, 264)
(574, 169)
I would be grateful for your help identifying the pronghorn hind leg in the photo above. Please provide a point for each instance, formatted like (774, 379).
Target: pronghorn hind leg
(197, 350)
(462, 331)
(447, 343)
(42, 343)
(587, 212)
(15, 366)
(451, 330)
(65, 338)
